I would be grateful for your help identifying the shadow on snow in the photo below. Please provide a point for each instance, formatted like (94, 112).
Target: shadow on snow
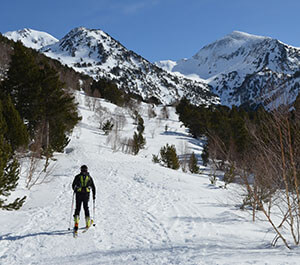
(11, 237)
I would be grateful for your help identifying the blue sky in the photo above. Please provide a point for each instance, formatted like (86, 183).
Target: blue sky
(158, 29)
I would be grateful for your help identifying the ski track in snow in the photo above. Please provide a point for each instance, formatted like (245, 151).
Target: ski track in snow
(145, 214)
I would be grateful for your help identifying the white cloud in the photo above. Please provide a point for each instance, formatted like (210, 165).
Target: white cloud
(132, 8)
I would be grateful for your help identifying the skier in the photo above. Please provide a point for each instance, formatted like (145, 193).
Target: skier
(81, 186)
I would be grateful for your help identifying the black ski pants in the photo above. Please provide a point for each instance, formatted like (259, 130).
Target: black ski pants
(82, 197)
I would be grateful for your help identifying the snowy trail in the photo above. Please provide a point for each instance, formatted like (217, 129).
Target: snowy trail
(145, 213)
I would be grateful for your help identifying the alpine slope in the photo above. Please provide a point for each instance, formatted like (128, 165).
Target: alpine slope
(144, 213)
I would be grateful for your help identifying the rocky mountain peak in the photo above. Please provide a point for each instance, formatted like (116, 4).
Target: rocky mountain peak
(96, 53)
(246, 69)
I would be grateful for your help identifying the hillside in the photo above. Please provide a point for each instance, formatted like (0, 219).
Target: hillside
(145, 213)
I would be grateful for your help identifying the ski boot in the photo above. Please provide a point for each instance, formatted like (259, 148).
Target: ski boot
(87, 222)
(76, 220)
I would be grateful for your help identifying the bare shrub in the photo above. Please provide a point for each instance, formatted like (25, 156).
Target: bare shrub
(38, 170)
(272, 173)
(158, 123)
(127, 145)
(119, 118)
(134, 107)
(88, 102)
(151, 111)
(114, 140)
(184, 155)
(152, 132)
(36, 173)
(95, 99)
(102, 114)
(164, 113)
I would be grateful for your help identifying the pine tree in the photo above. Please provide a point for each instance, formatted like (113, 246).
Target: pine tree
(109, 91)
(16, 133)
(9, 176)
(239, 132)
(107, 127)
(169, 156)
(138, 142)
(205, 155)
(58, 112)
(193, 164)
(9, 171)
(49, 112)
(138, 139)
(23, 85)
(140, 126)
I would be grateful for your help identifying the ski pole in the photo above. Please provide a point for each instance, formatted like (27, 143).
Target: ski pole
(71, 210)
(93, 212)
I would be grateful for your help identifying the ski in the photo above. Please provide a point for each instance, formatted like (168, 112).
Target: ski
(85, 230)
(75, 234)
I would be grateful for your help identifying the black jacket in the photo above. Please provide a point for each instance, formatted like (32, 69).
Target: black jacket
(77, 185)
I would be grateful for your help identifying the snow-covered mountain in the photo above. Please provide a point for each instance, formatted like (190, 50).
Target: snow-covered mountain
(97, 54)
(245, 69)
(240, 68)
(31, 38)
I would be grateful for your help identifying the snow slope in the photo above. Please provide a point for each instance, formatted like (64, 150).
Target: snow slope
(145, 213)
(31, 38)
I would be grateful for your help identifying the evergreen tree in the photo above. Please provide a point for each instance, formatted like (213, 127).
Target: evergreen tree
(107, 127)
(16, 132)
(239, 132)
(169, 156)
(138, 142)
(140, 126)
(109, 91)
(9, 171)
(23, 85)
(194, 118)
(48, 111)
(58, 112)
(193, 164)
(9, 176)
(205, 155)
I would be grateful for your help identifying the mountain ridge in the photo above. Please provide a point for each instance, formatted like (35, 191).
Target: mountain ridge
(245, 69)
(97, 54)
(240, 68)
